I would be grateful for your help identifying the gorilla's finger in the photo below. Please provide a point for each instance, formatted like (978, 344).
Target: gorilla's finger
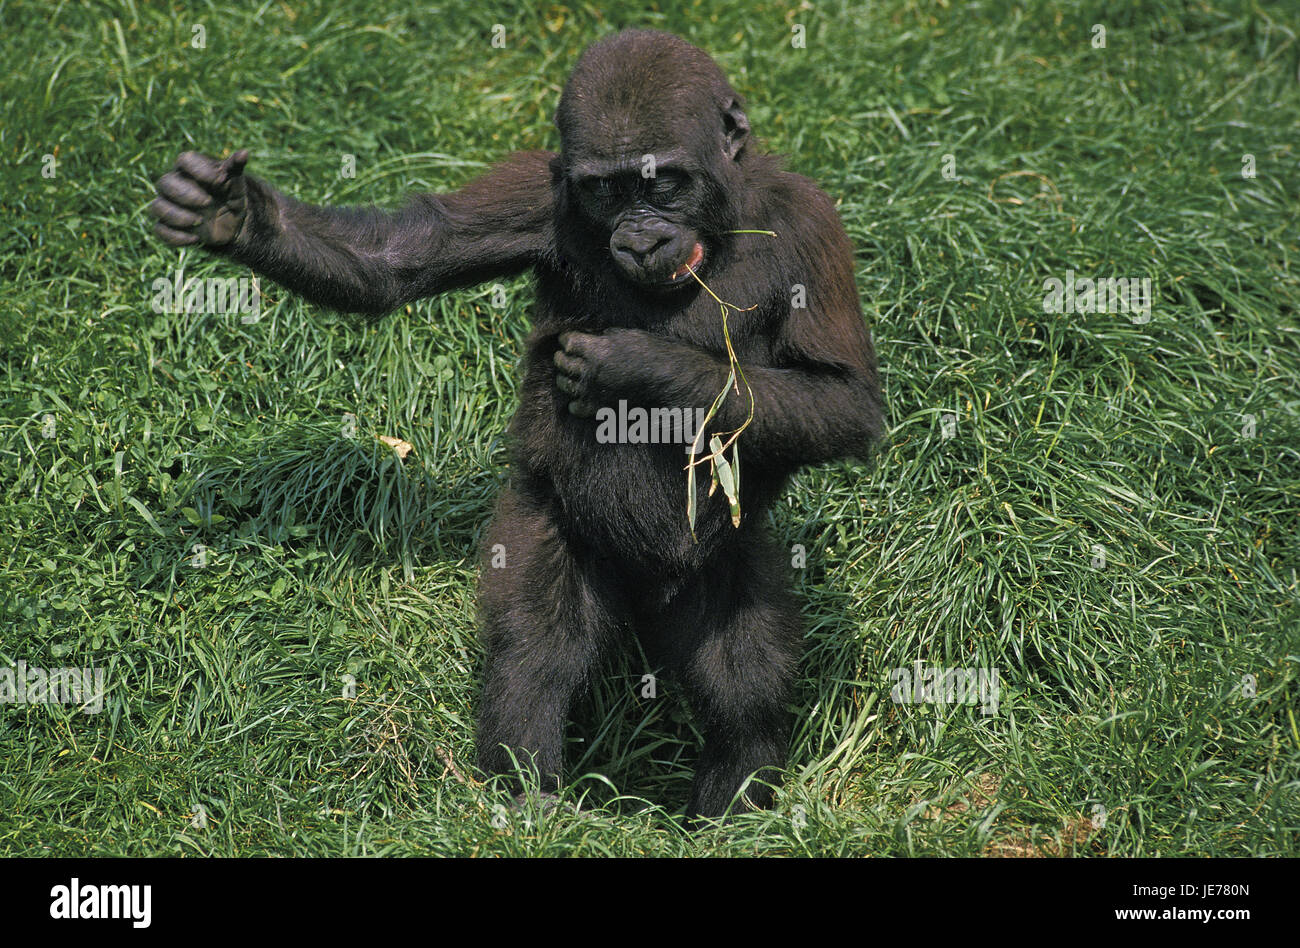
(234, 164)
(174, 238)
(576, 343)
(182, 190)
(582, 409)
(569, 365)
(567, 385)
(170, 213)
(202, 168)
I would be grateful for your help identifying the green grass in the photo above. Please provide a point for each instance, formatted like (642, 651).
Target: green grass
(1125, 687)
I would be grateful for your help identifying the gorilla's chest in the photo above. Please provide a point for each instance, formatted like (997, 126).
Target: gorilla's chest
(620, 481)
(629, 501)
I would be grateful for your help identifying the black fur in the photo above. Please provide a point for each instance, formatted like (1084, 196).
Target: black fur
(595, 537)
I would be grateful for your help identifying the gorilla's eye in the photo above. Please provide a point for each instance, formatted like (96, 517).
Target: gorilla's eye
(602, 189)
(666, 184)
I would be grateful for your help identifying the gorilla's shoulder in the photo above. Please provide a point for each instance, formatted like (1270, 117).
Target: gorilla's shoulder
(795, 205)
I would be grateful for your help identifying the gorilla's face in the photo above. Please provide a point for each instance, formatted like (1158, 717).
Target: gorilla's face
(649, 214)
(652, 138)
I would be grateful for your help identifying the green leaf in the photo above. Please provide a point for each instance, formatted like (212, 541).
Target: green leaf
(727, 479)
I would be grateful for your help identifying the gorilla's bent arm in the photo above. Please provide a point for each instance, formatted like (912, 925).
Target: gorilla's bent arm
(364, 259)
(805, 411)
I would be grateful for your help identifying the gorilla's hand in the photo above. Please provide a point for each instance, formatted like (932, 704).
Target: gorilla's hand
(596, 368)
(201, 200)
(578, 362)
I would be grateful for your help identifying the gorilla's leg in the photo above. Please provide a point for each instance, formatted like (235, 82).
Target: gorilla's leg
(736, 631)
(548, 616)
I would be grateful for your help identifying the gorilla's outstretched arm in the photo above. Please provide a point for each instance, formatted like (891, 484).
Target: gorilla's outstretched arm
(362, 260)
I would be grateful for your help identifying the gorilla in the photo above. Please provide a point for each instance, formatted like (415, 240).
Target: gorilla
(651, 214)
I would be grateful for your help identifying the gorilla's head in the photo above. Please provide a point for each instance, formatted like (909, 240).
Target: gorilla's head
(652, 140)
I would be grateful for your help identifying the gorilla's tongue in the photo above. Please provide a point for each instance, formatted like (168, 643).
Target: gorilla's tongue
(696, 258)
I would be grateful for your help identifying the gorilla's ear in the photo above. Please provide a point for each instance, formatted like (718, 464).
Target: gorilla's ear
(735, 127)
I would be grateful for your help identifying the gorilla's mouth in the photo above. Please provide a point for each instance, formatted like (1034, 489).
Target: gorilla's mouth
(692, 263)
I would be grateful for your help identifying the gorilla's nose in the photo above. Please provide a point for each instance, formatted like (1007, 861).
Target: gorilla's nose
(633, 247)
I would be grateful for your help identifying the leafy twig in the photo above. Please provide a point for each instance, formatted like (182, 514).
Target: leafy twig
(722, 472)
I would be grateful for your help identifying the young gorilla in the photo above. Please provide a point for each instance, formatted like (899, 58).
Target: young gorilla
(597, 545)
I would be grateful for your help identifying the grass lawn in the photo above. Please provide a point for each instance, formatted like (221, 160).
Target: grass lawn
(1100, 507)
